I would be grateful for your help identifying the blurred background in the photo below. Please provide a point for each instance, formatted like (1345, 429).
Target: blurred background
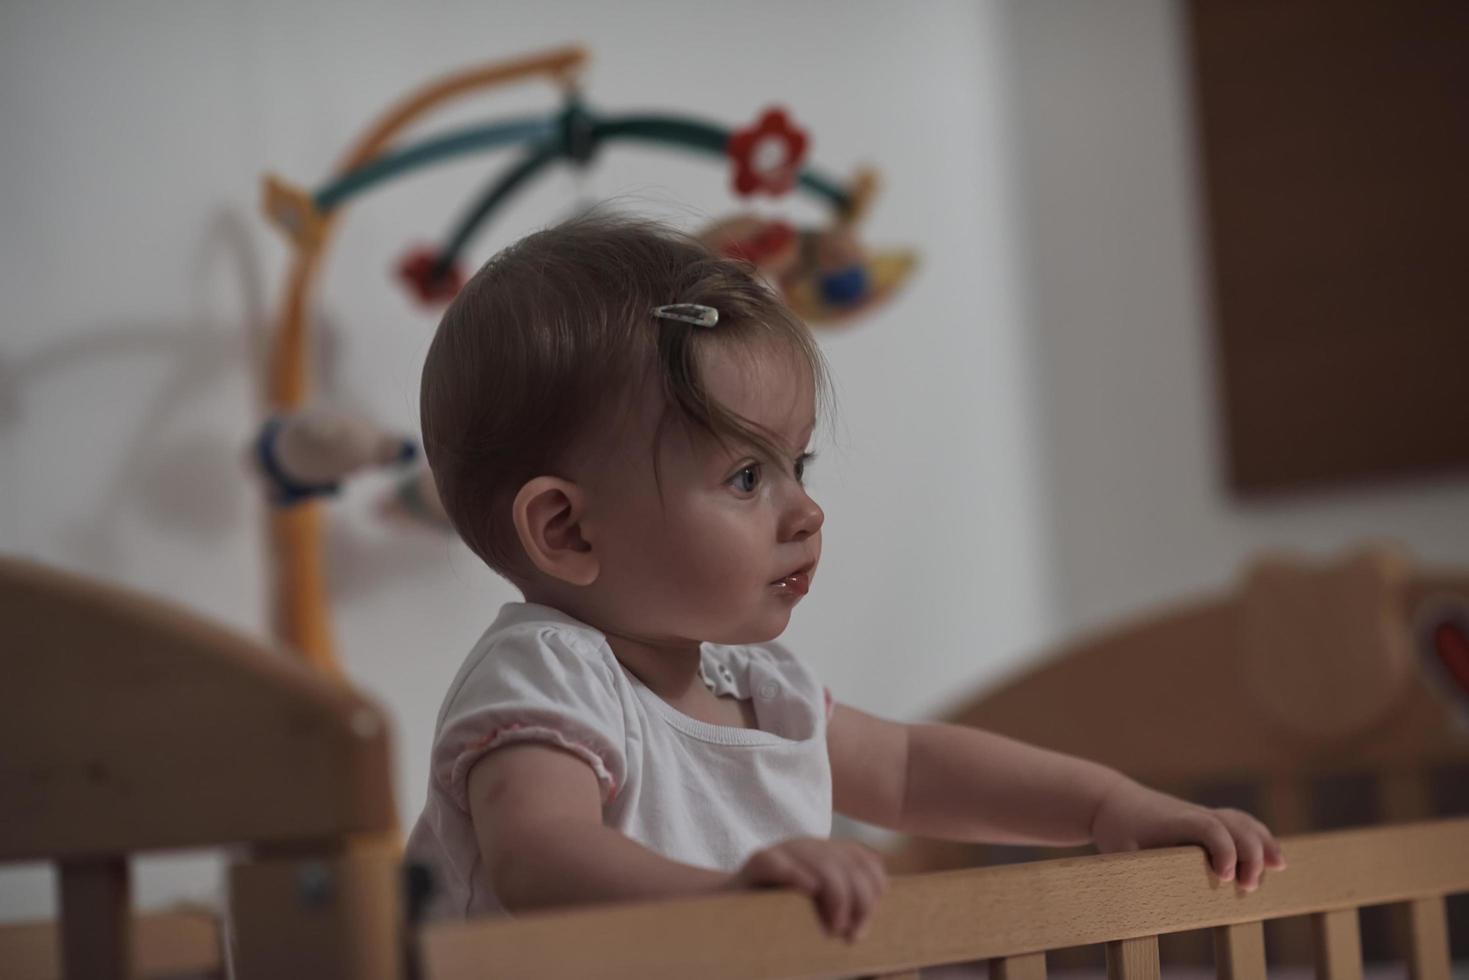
(1029, 439)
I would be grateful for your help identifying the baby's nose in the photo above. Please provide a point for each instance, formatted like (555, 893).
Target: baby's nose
(805, 519)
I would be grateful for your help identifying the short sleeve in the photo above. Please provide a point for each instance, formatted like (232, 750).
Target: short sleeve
(540, 684)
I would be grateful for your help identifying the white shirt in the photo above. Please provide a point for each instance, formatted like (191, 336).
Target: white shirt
(703, 794)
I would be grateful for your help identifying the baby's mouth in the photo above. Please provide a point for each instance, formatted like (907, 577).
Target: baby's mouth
(797, 583)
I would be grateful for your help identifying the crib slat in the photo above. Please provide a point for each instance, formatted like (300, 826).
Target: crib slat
(1428, 939)
(1338, 945)
(96, 927)
(1287, 809)
(1133, 959)
(1404, 795)
(1027, 966)
(331, 913)
(1239, 951)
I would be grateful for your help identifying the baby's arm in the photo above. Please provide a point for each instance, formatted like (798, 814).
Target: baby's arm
(537, 816)
(966, 784)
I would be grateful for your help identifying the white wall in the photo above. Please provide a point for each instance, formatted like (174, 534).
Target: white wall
(1116, 302)
(137, 275)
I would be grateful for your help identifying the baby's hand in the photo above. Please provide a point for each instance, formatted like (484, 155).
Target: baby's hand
(1132, 816)
(845, 878)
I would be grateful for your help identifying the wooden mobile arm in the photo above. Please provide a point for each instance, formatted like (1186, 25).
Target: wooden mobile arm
(299, 587)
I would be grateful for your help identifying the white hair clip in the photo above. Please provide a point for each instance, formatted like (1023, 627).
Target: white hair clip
(699, 316)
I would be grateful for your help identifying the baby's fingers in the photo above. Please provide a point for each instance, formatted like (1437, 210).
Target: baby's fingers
(1250, 847)
(775, 868)
(1219, 843)
(1256, 847)
(1274, 856)
(852, 884)
(836, 901)
(872, 882)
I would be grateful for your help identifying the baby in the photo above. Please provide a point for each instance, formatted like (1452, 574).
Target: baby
(619, 423)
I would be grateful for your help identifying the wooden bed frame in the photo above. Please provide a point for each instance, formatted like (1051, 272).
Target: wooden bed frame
(128, 726)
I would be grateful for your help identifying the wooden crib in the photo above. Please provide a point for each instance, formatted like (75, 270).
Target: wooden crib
(1317, 696)
(128, 726)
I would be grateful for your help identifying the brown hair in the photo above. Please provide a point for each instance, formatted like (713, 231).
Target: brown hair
(555, 334)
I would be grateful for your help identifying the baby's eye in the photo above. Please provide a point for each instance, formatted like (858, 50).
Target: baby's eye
(802, 461)
(747, 479)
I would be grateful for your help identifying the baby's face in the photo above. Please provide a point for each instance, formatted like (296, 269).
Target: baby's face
(733, 543)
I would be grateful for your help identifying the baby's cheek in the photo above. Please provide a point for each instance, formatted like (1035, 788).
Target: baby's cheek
(707, 566)
(719, 552)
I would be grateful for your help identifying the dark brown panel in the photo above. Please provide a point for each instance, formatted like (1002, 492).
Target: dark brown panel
(1335, 149)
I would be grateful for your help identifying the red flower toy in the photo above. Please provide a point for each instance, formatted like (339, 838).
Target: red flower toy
(419, 271)
(767, 155)
(771, 241)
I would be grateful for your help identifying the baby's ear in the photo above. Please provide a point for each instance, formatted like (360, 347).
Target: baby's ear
(548, 513)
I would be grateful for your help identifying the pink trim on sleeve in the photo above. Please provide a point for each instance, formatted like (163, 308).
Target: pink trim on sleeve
(516, 732)
(830, 704)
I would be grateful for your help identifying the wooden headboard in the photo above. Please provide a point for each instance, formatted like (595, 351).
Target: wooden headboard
(128, 726)
(1318, 695)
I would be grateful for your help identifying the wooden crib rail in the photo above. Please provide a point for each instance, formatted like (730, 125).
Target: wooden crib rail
(1009, 915)
(181, 732)
(130, 725)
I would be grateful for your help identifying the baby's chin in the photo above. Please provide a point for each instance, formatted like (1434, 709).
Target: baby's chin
(761, 629)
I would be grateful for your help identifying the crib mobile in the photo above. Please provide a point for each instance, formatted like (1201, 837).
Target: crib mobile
(305, 452)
